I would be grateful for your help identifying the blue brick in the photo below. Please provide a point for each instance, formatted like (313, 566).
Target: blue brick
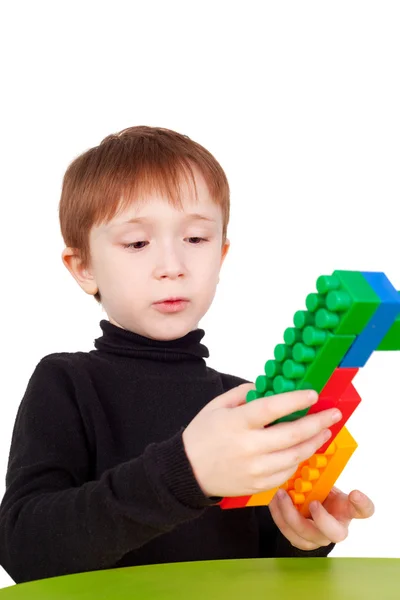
(379, 324)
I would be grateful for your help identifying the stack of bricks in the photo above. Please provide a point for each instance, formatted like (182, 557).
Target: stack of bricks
(351, 314)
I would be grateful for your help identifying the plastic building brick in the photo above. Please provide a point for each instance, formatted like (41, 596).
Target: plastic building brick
(261, 499)
(347, 403)
(351, 314)
(378, 325)
(319, 474)
(391, 341)
(349, 297)
(235, 502)
(313, 479)
(338, 383)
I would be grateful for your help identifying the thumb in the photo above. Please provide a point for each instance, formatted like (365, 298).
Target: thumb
(234, 397)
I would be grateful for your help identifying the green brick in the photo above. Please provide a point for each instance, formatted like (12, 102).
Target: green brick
(253, 395)
(303, 353)
(263, 384)
(293, 369)
(282, 352)
(292, 335)
(328, 358)
(273, 368)
(312, 336)
(326, 283)
(325, 319)
(337, 312)
(315, 301)
(283, 385)
(302, 318)
(364, 302)
(391, 341)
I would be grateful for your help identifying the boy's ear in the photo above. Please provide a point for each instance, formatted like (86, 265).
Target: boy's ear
(85, 278)
(224, 250)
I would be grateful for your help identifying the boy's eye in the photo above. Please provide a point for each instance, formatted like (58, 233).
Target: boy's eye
(140, 245)
(135, 245)
(196, 240)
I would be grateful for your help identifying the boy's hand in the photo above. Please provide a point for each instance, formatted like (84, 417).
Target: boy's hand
(329, 523)
(233, 454)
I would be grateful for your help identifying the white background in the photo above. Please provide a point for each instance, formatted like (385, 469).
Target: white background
(299, 101)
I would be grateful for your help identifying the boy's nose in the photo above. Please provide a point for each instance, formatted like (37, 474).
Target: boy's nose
(170, 274)
(169, 265)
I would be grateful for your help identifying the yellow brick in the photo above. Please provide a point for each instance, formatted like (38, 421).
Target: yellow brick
(345, 446)
(262, 499)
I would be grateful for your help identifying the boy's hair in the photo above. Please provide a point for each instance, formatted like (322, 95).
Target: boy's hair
(126, 166)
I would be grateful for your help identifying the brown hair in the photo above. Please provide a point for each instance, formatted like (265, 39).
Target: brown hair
(138, 160)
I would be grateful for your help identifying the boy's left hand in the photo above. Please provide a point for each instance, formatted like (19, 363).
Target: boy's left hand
(329, 521)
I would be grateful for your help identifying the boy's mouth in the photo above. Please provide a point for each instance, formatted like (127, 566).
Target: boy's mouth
(171, 305)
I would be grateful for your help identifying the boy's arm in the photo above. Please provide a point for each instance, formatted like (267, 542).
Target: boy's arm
(54, 520)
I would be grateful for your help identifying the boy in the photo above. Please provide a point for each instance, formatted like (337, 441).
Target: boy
(120, 455)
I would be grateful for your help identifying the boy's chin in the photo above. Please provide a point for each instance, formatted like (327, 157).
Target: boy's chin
(172, 330)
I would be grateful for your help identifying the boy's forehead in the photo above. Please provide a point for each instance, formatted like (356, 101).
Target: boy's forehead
(149, 201)
(153, 210)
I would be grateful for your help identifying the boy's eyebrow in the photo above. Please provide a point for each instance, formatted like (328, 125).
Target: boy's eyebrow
(190, 217)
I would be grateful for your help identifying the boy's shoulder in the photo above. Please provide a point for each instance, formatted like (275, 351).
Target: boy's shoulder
(69, 362)
(65, 358)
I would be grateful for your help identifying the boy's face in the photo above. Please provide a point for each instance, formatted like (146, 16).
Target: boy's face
(173, 254)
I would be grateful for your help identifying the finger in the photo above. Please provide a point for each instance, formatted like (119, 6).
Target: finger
(329, 526)
(290, 434)
(265, 411)
(305, 528)
(345, 508)
(268, 463)
(270, 479)
(362, 506)
(290, 534)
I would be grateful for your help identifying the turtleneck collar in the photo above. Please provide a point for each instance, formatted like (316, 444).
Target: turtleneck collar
(124, 342)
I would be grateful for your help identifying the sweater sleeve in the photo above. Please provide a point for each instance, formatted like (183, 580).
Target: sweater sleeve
(54, 518)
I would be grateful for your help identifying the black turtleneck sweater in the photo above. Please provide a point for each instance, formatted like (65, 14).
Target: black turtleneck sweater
(98, 476)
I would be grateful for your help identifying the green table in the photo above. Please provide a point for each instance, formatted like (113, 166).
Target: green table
(247, 579)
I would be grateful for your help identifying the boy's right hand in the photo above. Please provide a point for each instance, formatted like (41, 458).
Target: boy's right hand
(233, 454)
